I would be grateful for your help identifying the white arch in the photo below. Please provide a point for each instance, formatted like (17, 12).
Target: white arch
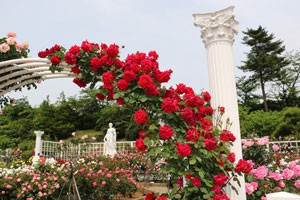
(26, 71)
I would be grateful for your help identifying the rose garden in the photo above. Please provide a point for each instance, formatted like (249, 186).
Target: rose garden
(185, 141)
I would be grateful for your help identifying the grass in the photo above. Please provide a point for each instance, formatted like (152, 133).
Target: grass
(91, 133)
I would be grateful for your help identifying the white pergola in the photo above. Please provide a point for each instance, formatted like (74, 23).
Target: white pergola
(17, 73)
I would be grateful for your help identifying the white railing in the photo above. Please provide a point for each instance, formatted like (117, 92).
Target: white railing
(58, 150)
(284, 145)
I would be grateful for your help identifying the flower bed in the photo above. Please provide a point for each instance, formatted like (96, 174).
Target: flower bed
(97, 177)
(276, 169)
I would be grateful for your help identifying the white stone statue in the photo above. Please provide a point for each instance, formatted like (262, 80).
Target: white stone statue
(110, 141)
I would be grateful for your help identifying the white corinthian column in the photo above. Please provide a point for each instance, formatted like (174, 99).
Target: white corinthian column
(217, 31)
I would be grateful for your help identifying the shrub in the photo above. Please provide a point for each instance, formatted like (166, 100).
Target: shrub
(289, 123)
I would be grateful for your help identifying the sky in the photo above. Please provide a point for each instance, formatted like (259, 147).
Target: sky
(165, 26)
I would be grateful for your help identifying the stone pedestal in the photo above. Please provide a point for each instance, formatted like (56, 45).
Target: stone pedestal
(217, 32)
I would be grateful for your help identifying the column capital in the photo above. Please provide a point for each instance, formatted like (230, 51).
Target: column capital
(217, 26)
(39, 133)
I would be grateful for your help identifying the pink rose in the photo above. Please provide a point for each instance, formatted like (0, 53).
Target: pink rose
(24, 45)
(263, 141)
(11, 40)
(275, 147)
(251, 187)
(11, 34)
(297, 184)
(4, 48)
(275, 176)
(260, 173)
(281, 184)
(287, 174)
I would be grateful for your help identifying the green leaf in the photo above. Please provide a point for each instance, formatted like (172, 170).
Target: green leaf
(152, 127)
(116, 96)
(147, 141)
(204, 190)
(193, 161)
(143, 99)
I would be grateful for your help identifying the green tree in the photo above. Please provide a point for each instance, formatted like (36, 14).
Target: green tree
(16, 126)
(53, 121)
(122, 118)
(286, 85)
(245, 90)
(87, 108)
(264, 60)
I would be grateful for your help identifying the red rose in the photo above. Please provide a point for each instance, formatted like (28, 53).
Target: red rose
(193, 101)
(122, 84)
(95, 63)
(140, 144)
(70, 58)
(165, 132)
(55, 60)
(106, 60)
(100, 96)
(153, 55)
(169, 105)
(129, 76)
(118, 63)
(79, 82)
(206, 124)
(206, 96)
(196, 182)
(162, 198)
(162, 77)
(216, 189)
(192, 135)
(220, 197)
(107, 77)
(74, 49)
(86, 46)
(104, 46)
(75, 69)
(152, 90)
(108, 87)
(110, 95)
(140, 117)
(188, 176)
(187, 114)
(112, 51)
(146, 65)
(120, 101)
(150, 196)
(220, 179)
(210, 144)
(43, 54)
(135, 67)
(54, 49)
(231, 137)
(209, 111)
(221, 110)
(181, 88)
(231, 157)
(183, 149)
(243, 166)
(145, 81)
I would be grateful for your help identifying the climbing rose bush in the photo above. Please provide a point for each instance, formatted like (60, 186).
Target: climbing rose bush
(10, 49)
(177, 124)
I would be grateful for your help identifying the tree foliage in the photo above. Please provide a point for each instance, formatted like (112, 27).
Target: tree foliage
(264, 60)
